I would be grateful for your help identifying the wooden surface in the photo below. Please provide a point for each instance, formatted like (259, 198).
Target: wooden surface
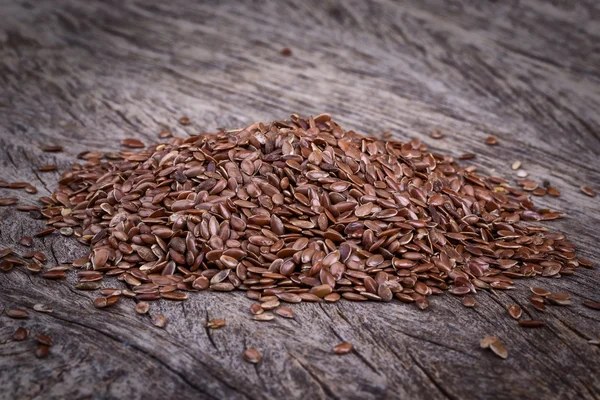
(85, 74)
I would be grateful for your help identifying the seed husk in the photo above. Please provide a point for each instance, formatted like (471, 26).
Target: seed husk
(343, 348)
(20, 334)
(266, 316)
(252, 355)
(487, 341)
(42, 308)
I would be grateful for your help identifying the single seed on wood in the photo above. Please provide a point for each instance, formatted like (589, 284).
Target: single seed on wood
(142, 307)
(487, 341)
(252, 355)
(286, 52)
(515, 311)
(184, 121)
(42, 351)
(588, 191)
(47, 168)
(522, 173)
(466, 156)
(516, 165)
(263, 317)
(17, 313)
(215, 323)
(491, 140)
(51, 149)
(422, 303)
(8, 201)
(539, 291)
(165, 134)
(158, 320)
(468, 301)
(44, 232)
(437, 134)
(343, 348)
(592, 304)
(133, 143)
(20, 334)
(26, 241)
(498, 348)
(44, 339)
(553, 191)
(285, 312)
(42, 308)
(531, 323)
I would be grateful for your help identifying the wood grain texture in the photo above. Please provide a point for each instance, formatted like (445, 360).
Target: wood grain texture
(85, 75)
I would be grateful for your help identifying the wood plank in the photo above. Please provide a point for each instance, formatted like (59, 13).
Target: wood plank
(85, 75)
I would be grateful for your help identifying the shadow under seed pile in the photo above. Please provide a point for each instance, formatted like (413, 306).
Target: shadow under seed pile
(304, 211)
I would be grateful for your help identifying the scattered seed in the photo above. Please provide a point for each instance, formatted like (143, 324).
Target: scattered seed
(592, 304)
(252, 355)
(44, 339)
(165, 134)
(491, 140)
(286, 52)
(159, 320)
(44, 232)
(468, 301)
(256, 309)
(20, 334)
(142, 307)
(487, 341)
(588, 191)
(466, 156)
(284, 312)
(522, 173)
(17, 313)
(42, 308)
(52, 149)
(26, 241)
(133, 143)
(516, 165)
(215, 323)
(184, 121)
(263, 317)
(498, 348)
(531, 323)
(8, 201)
(343, 348)
(437, 134)
(515, 311)
(42, 351)
(47, 168)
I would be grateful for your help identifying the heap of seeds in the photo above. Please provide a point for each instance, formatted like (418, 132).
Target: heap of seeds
(299, 210)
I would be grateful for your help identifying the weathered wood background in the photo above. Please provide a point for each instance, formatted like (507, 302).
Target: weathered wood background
(86, 74)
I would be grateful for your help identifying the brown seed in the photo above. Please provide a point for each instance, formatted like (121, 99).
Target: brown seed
(216, 323)
(515, 311)
(468, 301)
(165, 134)
(51, 149)
(592, 304)
(286, 52)
(42, 351)
(531, 323)
(491, 140)
(8, 201)
(44, 232)
(142, 307)
(553, 191)
(437, 134)
(20, 334)
(44, 339)
(332, 297)
(133, 143)
(467, 156)
(422, 303)
(284, 312)
(26, 241)
(158, 320)
(47, 168)
(588, 191)
(17, 313)
(256, 309)
(343, 348)
(263, 317)
(252, 355)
